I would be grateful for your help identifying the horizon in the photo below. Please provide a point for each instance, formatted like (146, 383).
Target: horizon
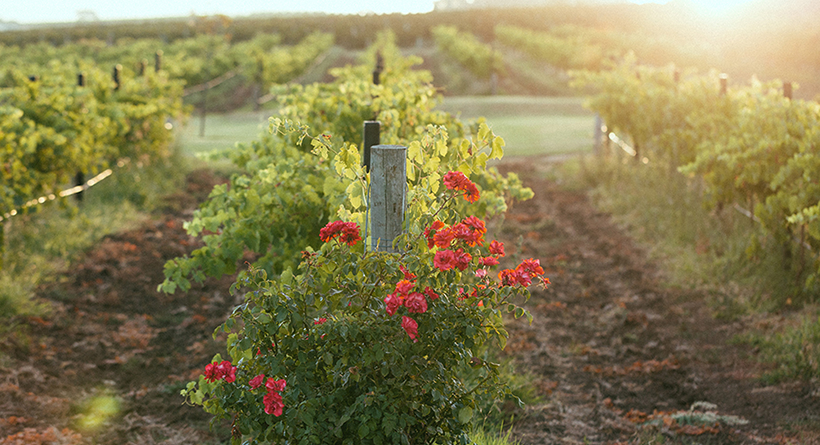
(37, 12)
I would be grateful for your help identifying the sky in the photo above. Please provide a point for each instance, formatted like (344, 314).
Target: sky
(39, 11)
(47, 11)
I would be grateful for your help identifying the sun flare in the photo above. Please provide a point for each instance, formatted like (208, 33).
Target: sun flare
(718, 9)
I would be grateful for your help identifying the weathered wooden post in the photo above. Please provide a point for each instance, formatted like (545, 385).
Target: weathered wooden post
(388, 186)
(79, 178)
(379, 68)
(371, 137)
(724, 84)
(158, 61)
(141, 67)
(116, 76)
(787, 90)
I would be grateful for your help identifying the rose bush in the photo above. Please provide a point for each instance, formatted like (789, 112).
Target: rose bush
(283, 194)
(370, 347)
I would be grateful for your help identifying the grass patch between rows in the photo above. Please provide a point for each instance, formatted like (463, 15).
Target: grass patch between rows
(40, 244)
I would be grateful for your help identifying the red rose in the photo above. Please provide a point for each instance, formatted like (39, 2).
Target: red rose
(416, 303)
(347, 232)
(497, 248)
(404, 287)
(276, 385)
(444, 260)
(393, 303)
(257, 381)
(411, 327)
(273, 403)
(431, 294)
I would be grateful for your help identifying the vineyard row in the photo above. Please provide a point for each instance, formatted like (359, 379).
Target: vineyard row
(752, 146)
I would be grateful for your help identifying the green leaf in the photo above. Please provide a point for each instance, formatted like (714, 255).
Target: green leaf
(286, 277)
(483, 131)
(364, 431)
(497, 151)
(465, 414)
(414, 152)
(196, 397)
(355, 195)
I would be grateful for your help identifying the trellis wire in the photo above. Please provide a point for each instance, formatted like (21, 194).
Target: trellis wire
(63, 193)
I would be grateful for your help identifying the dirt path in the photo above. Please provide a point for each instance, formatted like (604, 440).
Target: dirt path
(609, 345)
(107, 366)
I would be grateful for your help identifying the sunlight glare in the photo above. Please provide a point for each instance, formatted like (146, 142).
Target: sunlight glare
(717, 9)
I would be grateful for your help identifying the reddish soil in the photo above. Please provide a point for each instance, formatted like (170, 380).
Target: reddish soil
(614, 353)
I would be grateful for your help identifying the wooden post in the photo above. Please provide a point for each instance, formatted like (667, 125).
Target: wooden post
(116, 76)
(388, 186)
(724, 84)
(158, 61)
(79, 178)
(379, 68)
(141, 68)
(787, 90)
(371, 137)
